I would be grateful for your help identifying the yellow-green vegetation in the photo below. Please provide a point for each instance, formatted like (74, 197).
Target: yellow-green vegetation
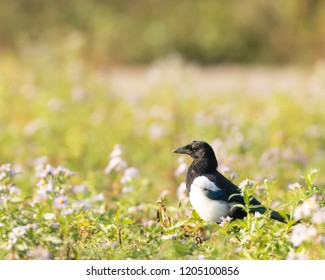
(120, 192)
(140, 31)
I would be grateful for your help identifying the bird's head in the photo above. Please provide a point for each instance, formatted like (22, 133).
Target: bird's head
(198, 150)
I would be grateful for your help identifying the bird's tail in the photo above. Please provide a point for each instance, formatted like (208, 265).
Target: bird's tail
(284, 218)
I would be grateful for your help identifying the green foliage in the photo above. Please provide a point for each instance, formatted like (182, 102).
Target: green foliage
(144, 30)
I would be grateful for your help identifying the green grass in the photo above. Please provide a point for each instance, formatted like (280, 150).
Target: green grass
(59, 106)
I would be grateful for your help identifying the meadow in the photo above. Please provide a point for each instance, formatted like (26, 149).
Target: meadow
(87, 169)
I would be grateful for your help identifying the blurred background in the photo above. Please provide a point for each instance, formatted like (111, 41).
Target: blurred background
(207, 32)
(79, 77)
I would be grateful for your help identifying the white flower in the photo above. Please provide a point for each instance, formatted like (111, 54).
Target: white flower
(39, 254)
(18, 231)
(60, 170)
(306, 209)
(82, 205)
(14, 190)
(169, 236)
(182, 166)
(97, 198)
(182, 193)
(66, 212)
(319, 216)
(157, 131)
(11, 242)
(116, 164)
(257, 214)
(129, 174)
(246, 183)
(61, 201)
(48, 170)
(117, 151)
(79, 189)
(301, 232)
(44, 187)
(297, 256)
(31, 226)
(225, 220)
(294, 186)
(127, 189)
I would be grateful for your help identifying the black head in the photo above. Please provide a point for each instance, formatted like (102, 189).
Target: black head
(199, 150)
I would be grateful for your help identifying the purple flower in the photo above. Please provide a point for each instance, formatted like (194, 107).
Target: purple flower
(225, 220)
(129, 174)
(61, 201)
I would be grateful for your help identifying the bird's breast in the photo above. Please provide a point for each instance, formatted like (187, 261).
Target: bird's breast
(207, 208)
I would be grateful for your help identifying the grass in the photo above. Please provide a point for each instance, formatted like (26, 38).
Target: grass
(118, 196)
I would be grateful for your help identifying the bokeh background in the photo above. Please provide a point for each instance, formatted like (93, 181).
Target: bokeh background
(78, 77)
(109, 88)
(205, 31)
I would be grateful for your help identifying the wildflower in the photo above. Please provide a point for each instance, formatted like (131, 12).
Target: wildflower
(129, 174)
(44, 187)
(117, 151)
(306, 209)
(2, 199)
(18, 231)
(116, 164)
(82, 205)
(77, 94)
(294, 186)
(246, 183)
(169, 236)
(61, 201)
(200, 257)
(239, 249)
(11, 242)
(66, 212)
(39, 254)
(114, 244)
(14, 190)
(225, 220)
(79, 189)
(257, 214)
(182, 193)
(55, 225)
(297, 256)
(60, 170)
(127, 189)
(301, 232)
(157, 131)
(48, 170)
(319, 216)
(31, 226)
(97, 198)
(6, 171)
(181, 168)
(148, 223)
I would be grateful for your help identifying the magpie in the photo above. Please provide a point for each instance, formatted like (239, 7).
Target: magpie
(210, 193)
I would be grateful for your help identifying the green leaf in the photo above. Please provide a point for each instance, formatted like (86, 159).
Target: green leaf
(22, 247)
(49, 216)
(16, 200)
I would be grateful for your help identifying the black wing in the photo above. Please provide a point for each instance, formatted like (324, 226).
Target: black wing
(230, 191)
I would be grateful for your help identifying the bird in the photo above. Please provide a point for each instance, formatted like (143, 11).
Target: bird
(212, 195)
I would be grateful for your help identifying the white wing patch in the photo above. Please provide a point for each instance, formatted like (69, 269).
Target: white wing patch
(208, 209)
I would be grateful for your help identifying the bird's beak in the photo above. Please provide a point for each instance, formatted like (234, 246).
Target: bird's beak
(182, 150)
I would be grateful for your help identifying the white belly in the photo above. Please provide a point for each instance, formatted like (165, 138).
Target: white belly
(208, 209)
